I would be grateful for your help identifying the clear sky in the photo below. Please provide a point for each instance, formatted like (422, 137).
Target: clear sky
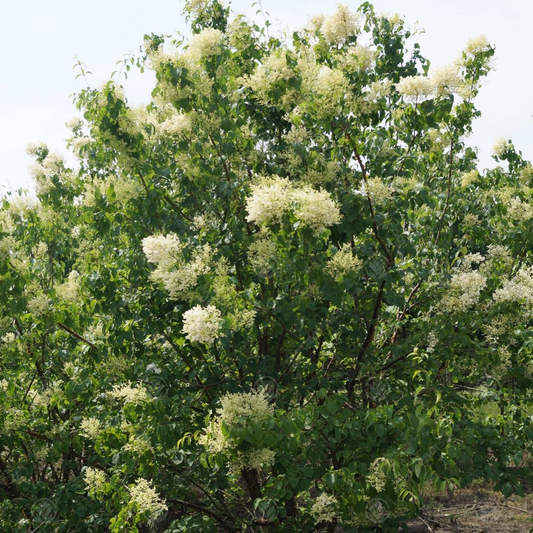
(42, 38)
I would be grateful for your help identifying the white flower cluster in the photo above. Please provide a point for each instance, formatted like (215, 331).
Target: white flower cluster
(315, 209)
(517, 289)
(33, 149)
(176, 124)
(177, 275)
(469, 260)
(14, 420)
(38, 305)
(498, 252)
(357, 57)
(40, 251)
(112, 88)
(465, 286)
(9, 338)
(271, 199)
(526, 173)
(137, 445)
(95, 332)
(202, 324)
(415, 88)
(146, 498)
(130, 395)
(43, 172)
(500, 325)
(42, 398)
(442, 81)
(75, 123)
(205, 44)
(378, 191)
(477, 44)
(180, 281)
(330, 83)
(395, 19)
(272, 71)
(343, 262)
(78, 145)
(90, 428)
(70, 289)
(469, 178)
(162, 248)
(8, 246)
(324, 508)
(377, 478)
(254, 460)
(446, 80)
(501, 145)
(239, 408)
(261, 253)
(340, 26)
(94, 479)
(197, 7)
(519, 211)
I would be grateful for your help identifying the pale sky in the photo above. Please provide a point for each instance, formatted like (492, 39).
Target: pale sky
(42, 38)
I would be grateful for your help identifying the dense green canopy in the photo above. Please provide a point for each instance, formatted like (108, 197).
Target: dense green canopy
(279, 297)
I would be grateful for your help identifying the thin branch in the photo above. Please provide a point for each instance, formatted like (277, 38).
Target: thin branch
(77, 335)
(200, 508)
(375, 228)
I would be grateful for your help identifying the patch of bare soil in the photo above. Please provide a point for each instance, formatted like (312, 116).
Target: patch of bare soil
(475, 511)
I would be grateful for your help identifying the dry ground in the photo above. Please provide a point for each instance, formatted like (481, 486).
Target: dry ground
(475, 511)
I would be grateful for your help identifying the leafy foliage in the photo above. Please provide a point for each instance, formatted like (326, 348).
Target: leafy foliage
(280, 296)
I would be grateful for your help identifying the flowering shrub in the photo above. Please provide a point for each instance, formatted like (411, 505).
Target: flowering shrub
(280, 296)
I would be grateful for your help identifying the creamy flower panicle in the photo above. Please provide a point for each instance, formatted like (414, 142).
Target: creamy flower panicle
(316, 209)
(205, 44)
(446, 79)
(518, 210)
(95, 479)
(9, 338)
(273, 70)
(340, 26)
(146, 498)
(202, 324)
(343, 262)
(518, 289)
(270, 200)
(378, 191)
(176, 124)
(137, 445)
(177, 275)
(464, 291)
(162, 248)
(261, 253)
(45, 172)
(90, 428)
(501, 145)
(180, 281)
(70, 290)
(136, 395)
(236, 409)
(477, 44)
(324, 508)
(469, 178)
